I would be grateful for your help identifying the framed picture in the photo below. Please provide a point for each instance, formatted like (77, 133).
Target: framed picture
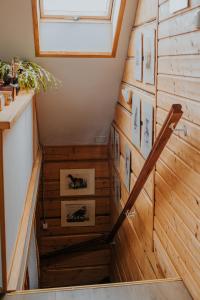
(149, 57)
(147, 128)
(77, 182)
(127, 95)
(78, 213)
(138, 56)
(127, 167)
(176, 5)
(117, 150)
(117, 189)
(112, 141)
(136, 121)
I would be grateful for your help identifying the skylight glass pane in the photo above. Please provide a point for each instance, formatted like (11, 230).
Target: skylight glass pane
(76, 7)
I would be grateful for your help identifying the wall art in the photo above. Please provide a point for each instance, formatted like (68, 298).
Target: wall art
(127, 95)
(77, 182)
(127, 167)
(149, 57)
(136, 121)
(147, 128)
(77, 213)
(117, 150)
(138, 56)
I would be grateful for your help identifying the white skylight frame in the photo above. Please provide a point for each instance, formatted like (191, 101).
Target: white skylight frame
(101, 14)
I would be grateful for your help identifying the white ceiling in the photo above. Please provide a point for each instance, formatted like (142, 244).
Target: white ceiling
(83, 108)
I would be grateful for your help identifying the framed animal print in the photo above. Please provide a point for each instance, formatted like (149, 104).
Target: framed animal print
(77, 182)
(136, 121)
(117, 189)
(138, 56)
(127, 167)
(149, 57)
(176, 5)
(127, 95)
(112, 141)
(77, 213)
(147, 128)
(117, 150)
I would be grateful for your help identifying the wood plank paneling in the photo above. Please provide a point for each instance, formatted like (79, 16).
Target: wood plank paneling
(134, 246)
(177, 193)
(65, 270)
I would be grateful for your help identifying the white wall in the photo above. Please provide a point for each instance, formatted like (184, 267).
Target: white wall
(18, 163)
(32, 263)
(83, 107)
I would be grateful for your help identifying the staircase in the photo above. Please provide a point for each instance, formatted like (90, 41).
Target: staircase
(80, 268)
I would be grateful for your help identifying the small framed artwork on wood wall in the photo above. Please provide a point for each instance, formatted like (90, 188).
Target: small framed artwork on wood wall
(176, 5)
(117, 150)
(77, 213)
(117, 189)
(112, 141)
(77, 182)
(138, 56)
(127, 95)
(147, 128)
(149, 57)
(136, 121)
(127, 167)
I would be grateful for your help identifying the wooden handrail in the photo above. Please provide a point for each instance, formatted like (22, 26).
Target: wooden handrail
(165, 133)
(160, 143)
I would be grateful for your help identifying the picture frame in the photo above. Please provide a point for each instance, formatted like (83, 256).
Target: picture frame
(127, 167)
(127, 95)
(147, 128)
(77, 182)
(112, 141)
(138, 56)
(136, 121)
(149, 56)
(117, 150)
(176, 5)
(77, 213)
(117, 189)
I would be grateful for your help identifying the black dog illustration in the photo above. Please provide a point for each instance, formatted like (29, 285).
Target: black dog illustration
(77, 183)
(78, 216)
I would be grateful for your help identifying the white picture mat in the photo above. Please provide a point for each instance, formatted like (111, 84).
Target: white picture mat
(149, 56)
(126, 94)
(117, 150)
(147, 128)
(138, 56)
(127, 167)
(67, 206)
(176, 5)
(88, 174)
(136, 121)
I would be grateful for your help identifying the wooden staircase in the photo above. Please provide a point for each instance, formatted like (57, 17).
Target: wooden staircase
(80, 268)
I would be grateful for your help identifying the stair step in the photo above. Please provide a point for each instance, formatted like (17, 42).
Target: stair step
(73, 276)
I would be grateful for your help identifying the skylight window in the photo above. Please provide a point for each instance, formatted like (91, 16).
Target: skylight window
(99, 9)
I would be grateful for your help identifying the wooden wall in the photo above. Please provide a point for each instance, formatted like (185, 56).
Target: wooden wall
(134, 244)
(162, 240)
(87, 268)
(177, 192)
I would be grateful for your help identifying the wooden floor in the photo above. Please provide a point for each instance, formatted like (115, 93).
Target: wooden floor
(149, 290)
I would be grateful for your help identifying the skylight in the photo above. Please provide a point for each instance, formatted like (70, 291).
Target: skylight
(76, 8)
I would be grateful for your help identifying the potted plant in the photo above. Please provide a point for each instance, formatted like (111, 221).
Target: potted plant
(26, 75)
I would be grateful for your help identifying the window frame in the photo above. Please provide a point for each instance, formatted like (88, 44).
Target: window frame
(73, 18)
(39, 53)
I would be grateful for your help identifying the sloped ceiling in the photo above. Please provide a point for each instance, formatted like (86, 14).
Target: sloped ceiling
(82, 109)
